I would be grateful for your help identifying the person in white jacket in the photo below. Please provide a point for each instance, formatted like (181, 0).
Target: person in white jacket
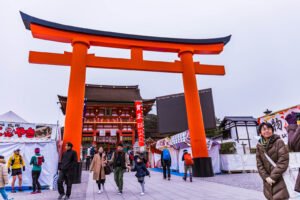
(3, 178)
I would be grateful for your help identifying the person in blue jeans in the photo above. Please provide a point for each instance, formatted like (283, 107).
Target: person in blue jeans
(3, 178)
(166, 162)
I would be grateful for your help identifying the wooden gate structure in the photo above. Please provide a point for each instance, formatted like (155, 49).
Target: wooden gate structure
(79, 59)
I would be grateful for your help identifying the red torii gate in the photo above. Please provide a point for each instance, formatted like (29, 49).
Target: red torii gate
(81, 39)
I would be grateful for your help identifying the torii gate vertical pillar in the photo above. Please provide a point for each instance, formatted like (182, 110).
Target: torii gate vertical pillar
(202, 162)
(76, 92)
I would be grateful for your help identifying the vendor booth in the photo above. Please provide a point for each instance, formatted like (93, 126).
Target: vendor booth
(18, 134)
(177, 144)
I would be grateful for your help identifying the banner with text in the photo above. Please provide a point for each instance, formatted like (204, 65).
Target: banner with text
(140, 122)
(281, 120)
(27, 132)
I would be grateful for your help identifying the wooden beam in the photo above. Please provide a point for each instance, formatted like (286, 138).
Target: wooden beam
(127, 64)
(122, 63)
(136, 55)
(209, 69)
(50, 58)
(53, 34)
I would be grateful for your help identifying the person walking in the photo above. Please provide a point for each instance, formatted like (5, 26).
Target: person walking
(270, 146)
(293, 130)
(88, 159)
(67, 169)
(166, 162)
(15, 165)
(131, 158)
(188, 164)
(97, 166)
(120, 163)
(93, 151)
(37, 160)
(3, 179)
(141, 172)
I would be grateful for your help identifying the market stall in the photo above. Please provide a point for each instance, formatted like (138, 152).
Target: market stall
(180, 142)
(18, 134)
(166, 143)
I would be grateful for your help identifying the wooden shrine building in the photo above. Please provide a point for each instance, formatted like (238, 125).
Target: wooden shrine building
(109, 115)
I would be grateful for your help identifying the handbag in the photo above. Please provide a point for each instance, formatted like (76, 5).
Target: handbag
(107, 170)
(288, 178)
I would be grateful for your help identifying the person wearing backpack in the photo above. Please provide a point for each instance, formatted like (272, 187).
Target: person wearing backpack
(15, 165)
(37, 161)
(166, 162)
(188, 164)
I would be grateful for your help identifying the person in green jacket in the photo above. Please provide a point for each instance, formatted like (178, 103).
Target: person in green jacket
(37, 161)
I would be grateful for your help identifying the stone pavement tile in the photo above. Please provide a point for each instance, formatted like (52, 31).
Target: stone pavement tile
(156, 189)
(243, 180)
(78, 192)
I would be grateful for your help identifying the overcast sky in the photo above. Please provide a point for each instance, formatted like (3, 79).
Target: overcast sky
(262, 60)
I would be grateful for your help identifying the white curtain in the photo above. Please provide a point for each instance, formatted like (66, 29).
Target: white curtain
(49, 168)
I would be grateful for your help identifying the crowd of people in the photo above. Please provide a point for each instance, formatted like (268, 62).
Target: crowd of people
(272, 157)
(120, 161)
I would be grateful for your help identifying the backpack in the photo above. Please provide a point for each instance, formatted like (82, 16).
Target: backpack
(92, 151)
(131, 157)
(14, 159)
(39, 160)
(188, 160)
(166, 154)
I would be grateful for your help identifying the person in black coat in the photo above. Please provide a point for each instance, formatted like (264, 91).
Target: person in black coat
(141, 171)
(67, 169)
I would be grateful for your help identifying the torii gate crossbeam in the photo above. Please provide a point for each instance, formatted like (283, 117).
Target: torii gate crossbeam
(81, 39)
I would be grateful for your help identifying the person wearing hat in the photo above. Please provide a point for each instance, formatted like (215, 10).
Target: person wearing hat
(188, 164)
(67, 169)
(120, 163)
(15, 165)
(37, 161)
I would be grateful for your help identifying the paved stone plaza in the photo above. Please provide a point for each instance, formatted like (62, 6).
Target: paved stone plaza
(225, 187)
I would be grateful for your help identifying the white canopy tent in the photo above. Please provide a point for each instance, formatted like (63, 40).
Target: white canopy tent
(10, 116)
(16, 133)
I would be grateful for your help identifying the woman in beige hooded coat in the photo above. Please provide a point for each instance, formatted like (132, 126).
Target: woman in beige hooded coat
(97, 166)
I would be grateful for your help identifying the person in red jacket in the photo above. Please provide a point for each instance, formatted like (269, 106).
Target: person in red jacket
(188, 164)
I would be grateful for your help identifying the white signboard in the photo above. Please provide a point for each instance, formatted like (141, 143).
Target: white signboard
(279, 122)
(27, 132)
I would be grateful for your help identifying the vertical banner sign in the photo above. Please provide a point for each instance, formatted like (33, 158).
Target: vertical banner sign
(140, 122)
